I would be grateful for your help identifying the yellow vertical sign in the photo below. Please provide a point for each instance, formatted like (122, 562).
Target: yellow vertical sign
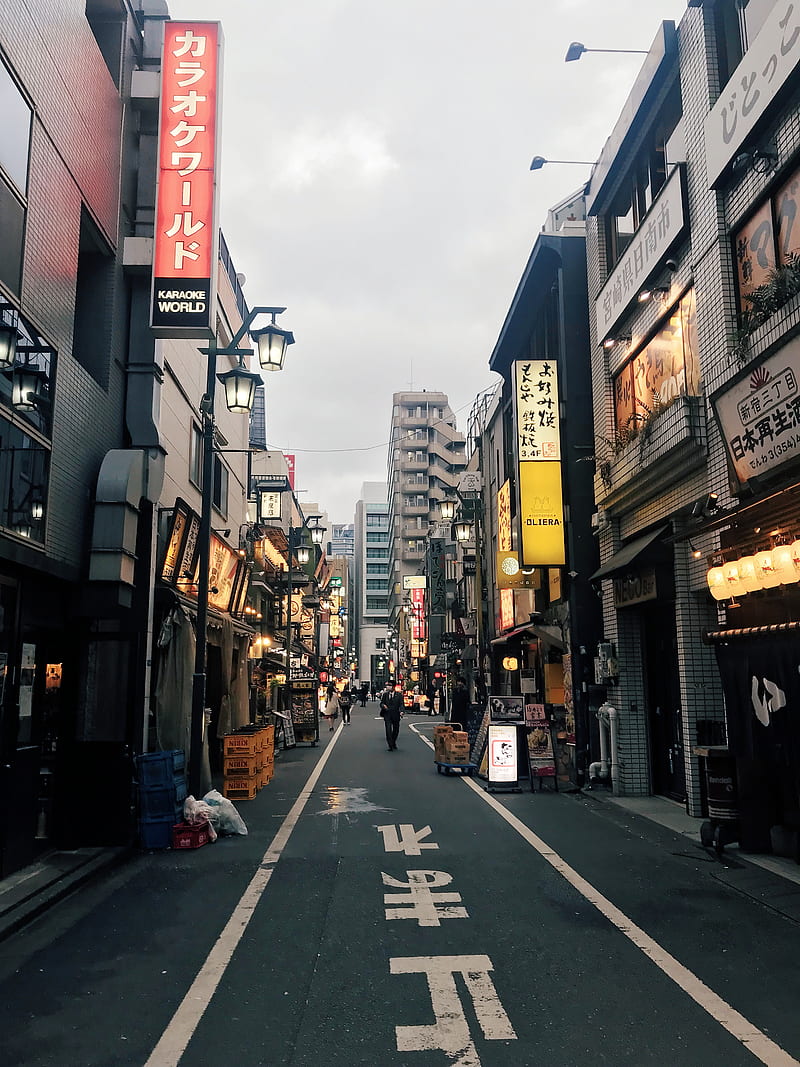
(541, 506)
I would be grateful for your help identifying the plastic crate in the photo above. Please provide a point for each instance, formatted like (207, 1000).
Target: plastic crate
(240, 788)
(242, 766)
(190, 835)
(156, 833)
(160, 768)
(243, 744)
(160, 801)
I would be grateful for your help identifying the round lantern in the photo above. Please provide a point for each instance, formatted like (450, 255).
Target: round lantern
(765, 569)
(732, 582)
(748, 574)
(717, 584)
(783, 562)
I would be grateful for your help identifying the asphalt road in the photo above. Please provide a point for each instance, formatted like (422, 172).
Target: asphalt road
(379, 913)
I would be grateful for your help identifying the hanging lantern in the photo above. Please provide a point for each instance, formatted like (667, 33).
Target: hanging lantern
(717, 584)
(272, 343)
(510, 663)
(8, 345)
(765, 569)
(26, 390)
(447, 509)
(748, 574)
(462, 531)
(732, 582)
(303, 554)
(318, 533)
(240, 388)
(783, 562)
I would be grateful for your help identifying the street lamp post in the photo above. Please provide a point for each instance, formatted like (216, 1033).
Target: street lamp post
(240, 385)
(301, 553)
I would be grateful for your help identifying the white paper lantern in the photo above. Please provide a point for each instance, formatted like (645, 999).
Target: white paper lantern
(783, 562)
(765, 569)
(717, 584)
(732, 581)
(749, 575)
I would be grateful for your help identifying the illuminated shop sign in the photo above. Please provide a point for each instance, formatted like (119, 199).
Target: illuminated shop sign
(541, 510)
(186, 240)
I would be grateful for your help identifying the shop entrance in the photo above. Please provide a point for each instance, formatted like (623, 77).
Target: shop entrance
(663, 701)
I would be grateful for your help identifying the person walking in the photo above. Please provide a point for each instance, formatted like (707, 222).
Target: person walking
(392, 710)
(331, 712)
(345, 703)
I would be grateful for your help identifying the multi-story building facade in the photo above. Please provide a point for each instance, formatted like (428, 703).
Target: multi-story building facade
(426, 457)
(341, 541)
(371, 583)
(693, 315)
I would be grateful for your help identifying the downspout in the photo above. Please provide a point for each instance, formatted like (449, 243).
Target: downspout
(613, 721)
(600, 770)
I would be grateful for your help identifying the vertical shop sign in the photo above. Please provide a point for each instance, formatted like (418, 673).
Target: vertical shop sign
(186, 234)
(541, 510)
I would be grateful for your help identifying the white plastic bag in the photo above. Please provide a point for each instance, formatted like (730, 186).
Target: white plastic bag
(195, 811)
(224, 815)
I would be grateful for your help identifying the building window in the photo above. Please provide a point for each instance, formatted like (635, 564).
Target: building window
(377, 538)
(377, 603)
(14, 154)
(196, 457)
(376, 583)
(106, 20)
(643, 181)
(377, 568)
(664, 369)
(736, 25)
(377, 553)
(380, 643)
(91, 343)
(219, 495)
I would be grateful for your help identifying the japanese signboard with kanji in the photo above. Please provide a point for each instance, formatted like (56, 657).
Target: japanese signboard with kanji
(759, 415)
(538, 434)
(767, 240)
(186, 236)
(660, 228)
(765, 68)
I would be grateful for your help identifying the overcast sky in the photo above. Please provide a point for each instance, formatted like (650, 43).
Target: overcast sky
(375, 181)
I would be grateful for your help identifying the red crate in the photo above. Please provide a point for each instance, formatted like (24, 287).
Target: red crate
(190, 835)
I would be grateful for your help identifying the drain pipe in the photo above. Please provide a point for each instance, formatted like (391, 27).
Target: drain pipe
(613, 726)
(600, 769)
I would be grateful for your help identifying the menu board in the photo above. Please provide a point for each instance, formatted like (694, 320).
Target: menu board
(480, 739)
(541, 755)
(502, 754)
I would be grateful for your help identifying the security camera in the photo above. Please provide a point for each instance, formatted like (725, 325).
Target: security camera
(671, 265)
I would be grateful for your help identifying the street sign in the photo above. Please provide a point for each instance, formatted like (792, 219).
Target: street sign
(469, 482)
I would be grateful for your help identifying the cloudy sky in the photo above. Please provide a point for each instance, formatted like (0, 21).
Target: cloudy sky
(375, 182)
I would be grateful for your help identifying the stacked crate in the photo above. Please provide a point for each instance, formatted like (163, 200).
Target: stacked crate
(249, 761)
(457, 747)
(162, 790)
(268, 754)
(440, 735)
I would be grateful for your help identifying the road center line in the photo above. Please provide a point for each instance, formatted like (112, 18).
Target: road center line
(753, 1039)
(172, 1043)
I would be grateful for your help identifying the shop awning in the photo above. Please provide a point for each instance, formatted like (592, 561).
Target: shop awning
(548, 635)
(625, 556)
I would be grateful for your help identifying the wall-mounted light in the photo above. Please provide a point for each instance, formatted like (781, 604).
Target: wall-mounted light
(612, 342)
(705, 505)
(759, 160)
(659, 292)
(576, 50)
(26, 390)
(696, 552)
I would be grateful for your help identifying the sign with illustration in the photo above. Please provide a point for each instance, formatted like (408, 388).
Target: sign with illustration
(507, 709)
(541, 756)
(502, 754)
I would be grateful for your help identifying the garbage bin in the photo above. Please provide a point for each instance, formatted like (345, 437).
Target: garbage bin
(722, 826)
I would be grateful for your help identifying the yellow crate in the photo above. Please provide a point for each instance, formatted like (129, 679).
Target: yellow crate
(241, 766)
(241, 745)
(240, 788)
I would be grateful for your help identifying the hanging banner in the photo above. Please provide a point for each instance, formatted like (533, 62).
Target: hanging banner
(186, 233)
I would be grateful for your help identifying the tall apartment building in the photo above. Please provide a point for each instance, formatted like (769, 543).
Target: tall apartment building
(371, 581)
(426, 457)
(341, 541)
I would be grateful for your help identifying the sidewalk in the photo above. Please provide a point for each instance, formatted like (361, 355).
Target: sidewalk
(30, 891)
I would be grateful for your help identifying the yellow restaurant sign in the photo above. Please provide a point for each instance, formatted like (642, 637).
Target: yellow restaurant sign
(541, 510)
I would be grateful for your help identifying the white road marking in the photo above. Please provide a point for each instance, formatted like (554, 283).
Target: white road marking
(753, 1039)
(172, 1043)
(418, 902)
(408, 840)
(450, 1032)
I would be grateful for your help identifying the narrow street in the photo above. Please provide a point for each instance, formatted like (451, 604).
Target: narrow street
(378, 913)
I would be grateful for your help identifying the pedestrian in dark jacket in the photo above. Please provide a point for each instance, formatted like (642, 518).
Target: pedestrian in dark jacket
(459, 706)
(344, 705)
(391, 711)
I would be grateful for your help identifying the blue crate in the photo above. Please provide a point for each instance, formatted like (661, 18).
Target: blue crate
(160, 801)
(159, 768)
(156, 833)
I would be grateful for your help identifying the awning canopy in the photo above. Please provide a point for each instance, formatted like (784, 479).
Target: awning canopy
(548, 635)
(622, 559)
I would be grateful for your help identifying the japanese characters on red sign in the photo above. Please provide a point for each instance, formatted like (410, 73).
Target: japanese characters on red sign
(184, 258)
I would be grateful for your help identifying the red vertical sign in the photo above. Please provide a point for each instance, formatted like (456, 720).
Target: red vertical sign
(185, 253)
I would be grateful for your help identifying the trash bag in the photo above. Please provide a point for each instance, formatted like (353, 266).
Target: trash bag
(223, 815)
(197, 811)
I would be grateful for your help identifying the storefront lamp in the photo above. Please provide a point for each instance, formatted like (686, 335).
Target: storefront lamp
(748, 576)
(240, 388)
(272, 342)
(716, 583)
(462, 531)
(765, 569)
(447, 509)
(732, 583)
(510, 663)
(26, 390)
(783, 562)
(8, 345)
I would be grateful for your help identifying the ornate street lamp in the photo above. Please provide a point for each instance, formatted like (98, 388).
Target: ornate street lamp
(8, 345)
(447, 509)
(272, 342)
(240, 385)
(462, 531)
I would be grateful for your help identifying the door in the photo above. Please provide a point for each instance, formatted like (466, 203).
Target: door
(663, 701)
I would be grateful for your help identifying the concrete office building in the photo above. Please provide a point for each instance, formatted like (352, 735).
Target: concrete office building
(371, 582)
